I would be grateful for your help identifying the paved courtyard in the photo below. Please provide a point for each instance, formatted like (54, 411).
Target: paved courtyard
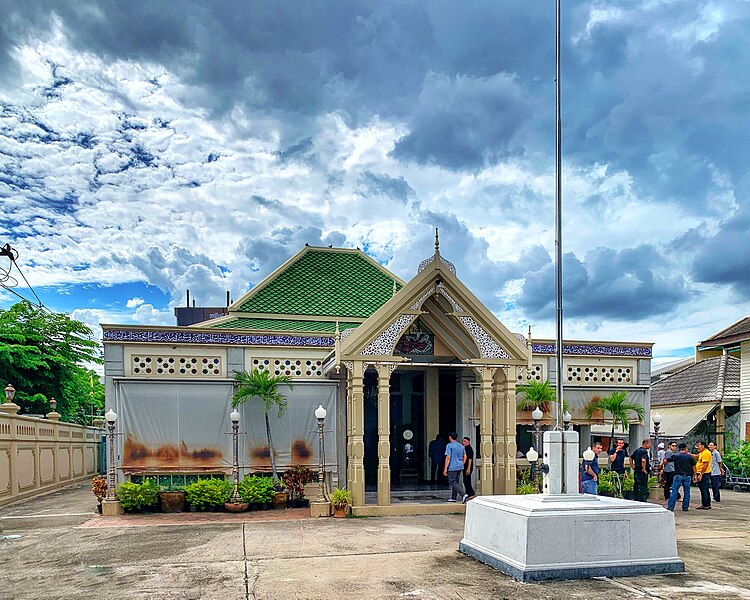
(55, 547)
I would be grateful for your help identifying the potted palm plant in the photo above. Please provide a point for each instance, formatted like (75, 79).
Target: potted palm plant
(261, 385)
(341, 498)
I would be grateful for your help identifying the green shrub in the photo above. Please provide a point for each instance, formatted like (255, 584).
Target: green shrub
(205, 494)
(257, 490)
(526, 487)
(738, 461)
(135, 497)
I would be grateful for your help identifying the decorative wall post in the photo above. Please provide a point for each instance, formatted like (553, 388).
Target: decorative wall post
(384, 433)
(505, 433)
(357, 457)
(485, 429)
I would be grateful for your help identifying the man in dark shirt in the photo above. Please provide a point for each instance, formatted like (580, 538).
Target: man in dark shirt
(617, 457)
(684, 475)
(639, 461)
(590, 474)
(436, 450)
(468, 468)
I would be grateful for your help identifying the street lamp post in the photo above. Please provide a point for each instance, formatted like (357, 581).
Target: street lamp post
(111, 505)
(533, 454)
(9, 406)
(567, 418)
(111, 418)
(320, 415)
(234, 416)
(656, 418)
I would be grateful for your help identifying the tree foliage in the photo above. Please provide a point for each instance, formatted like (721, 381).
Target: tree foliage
(535, 393)
(619, 407)
(43, 355)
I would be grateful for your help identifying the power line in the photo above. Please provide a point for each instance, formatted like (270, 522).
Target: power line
(5, 276)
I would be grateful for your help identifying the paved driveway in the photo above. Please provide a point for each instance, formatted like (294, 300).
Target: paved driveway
(55, 547)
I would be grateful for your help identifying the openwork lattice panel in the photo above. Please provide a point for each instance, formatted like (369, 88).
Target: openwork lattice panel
(524, 374)
(144, 365)
(290, 366)
(599, 375)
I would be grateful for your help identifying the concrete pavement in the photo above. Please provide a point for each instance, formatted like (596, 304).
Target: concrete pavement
(55, 547)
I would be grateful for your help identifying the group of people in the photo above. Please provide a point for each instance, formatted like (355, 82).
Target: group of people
(679, 469)
(455, 460)
(675, 465)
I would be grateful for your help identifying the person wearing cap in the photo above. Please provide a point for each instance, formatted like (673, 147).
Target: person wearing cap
(660, 452)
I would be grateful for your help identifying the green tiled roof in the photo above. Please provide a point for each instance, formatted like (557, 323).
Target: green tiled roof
(282, 325)
(324, 282)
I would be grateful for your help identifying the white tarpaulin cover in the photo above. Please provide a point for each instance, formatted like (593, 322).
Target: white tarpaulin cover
(181, 427)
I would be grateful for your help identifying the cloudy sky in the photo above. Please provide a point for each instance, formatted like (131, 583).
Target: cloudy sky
(150, 147)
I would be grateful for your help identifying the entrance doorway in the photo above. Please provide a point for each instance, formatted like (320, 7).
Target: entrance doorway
(419, 410)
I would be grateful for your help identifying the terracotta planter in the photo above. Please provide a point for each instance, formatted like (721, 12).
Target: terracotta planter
(280, 499)
(172, 502)
(340, 511)
(236, 507)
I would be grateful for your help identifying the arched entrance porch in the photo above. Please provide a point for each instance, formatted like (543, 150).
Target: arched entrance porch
(457, 334)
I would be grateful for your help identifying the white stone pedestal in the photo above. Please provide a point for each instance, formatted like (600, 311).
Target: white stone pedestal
(542, 537)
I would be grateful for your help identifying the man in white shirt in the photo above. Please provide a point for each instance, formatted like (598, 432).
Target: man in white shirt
(717, 471)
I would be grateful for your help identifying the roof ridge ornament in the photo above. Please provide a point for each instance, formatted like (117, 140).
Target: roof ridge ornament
(423, 265)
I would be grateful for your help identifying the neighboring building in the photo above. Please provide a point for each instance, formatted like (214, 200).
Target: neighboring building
(394, 364)
(698, 401)
(734, 340)
(657, 374)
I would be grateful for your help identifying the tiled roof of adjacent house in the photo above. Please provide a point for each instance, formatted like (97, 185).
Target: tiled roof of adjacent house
(710, 380)
(281, 325)
(739, 328)
(325, 282)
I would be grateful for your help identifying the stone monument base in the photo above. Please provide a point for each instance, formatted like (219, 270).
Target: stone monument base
(112, 508)
(573, 536)
(320, 509)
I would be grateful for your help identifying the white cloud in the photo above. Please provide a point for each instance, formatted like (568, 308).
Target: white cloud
(146, 314)
(134, 302)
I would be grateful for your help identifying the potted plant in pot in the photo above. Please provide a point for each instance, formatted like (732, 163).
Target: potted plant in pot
(341, 498)
(172, 499)
(295, 479)
(99, 488)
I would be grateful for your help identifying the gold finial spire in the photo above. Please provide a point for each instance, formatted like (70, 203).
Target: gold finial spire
(437, 241)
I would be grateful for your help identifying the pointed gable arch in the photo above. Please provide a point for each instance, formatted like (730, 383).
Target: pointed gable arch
(449, 308)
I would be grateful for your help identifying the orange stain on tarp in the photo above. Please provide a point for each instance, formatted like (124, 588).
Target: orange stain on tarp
(138, 454)
(301, 452)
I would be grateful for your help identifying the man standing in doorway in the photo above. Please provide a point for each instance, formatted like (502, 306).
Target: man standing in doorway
(684, 474)
(436, 450)
(717, 471)
(455, 457)
(468, 468)
(639, 461)
(703, 469)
